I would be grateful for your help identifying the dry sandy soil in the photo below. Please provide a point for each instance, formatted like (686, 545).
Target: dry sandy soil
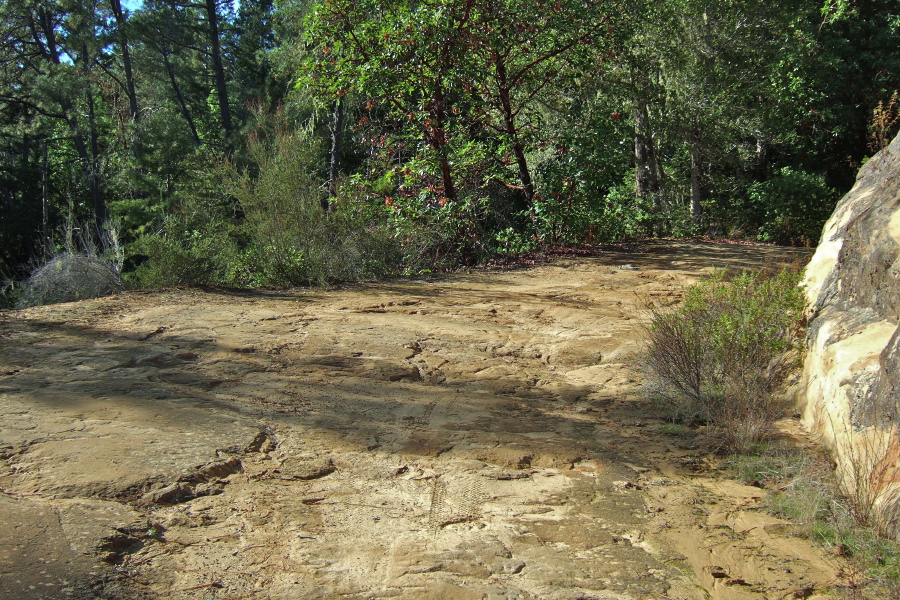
(481, 435)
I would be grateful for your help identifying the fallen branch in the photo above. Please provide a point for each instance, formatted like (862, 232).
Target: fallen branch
(214, 584)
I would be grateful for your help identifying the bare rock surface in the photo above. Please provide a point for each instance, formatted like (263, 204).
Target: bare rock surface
(475, 436)
(852, 368)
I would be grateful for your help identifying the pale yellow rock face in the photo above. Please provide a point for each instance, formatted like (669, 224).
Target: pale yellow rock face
(851, 380)
(831, 371)
(894, 228)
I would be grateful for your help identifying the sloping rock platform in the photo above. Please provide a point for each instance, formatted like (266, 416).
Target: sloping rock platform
(479, 436)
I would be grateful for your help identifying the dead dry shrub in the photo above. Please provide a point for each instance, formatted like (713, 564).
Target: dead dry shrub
(71, 277)
(725, 353)
(885, 120)
(88, 268)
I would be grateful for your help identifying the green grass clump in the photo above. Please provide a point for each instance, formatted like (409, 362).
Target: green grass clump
(674, 429)
(805, 493)
(768, 464)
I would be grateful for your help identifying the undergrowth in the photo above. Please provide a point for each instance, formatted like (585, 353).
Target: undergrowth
(267, 226)
(805, 492)
(722, 359)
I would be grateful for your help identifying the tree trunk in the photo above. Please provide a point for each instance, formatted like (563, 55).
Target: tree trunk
(648, 172)
(334, 158)
(696, 178)
(170, 70)
(45, 202)
(90, 173)
(438, 136)
(94, 178)
(760, 160)
(647, 168)
(116, 6)
(509, 122)
(219, 70)
(643, 186)
(447, 177)
(99, 204)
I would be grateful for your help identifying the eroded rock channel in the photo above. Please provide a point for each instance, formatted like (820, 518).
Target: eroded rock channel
(476, 436)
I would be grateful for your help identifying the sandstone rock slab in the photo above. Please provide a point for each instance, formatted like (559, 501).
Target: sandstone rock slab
(851, 377)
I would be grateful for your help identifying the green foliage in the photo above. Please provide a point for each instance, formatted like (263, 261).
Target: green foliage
(770, 464)
(452, 88)
(510, 242)
(622, 216)
(266, 226)
(674, 429)
(281, 204)
(435, 233)
(728, 348)
(793, 207)
(188, 251)
(292, 239)
(521, 117)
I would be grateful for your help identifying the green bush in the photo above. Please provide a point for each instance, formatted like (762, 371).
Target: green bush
(574, 215)
(792, 207)
(196, 244)
(183, 256)
(437, 233)
(265, 225)
(292, 239)
(725, 352)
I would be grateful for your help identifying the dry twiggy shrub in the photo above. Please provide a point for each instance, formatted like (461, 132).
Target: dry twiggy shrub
(86, 269)
(865, 464)
(727, 350)
(885, 119)
(71, 277)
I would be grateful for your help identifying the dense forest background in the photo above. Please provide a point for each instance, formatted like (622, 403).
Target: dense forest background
(267, 142)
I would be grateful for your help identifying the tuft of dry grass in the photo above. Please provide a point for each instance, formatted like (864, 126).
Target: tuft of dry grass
(71, 277)
(89, 267)
(805, 490)
(866, 460)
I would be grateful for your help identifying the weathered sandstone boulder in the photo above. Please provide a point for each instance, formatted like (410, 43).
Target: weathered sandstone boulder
(852, 368)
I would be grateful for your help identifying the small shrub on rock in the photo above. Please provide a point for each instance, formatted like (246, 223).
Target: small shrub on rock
(725, 353)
